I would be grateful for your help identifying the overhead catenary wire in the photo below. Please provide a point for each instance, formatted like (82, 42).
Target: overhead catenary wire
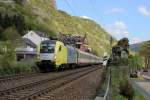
(74, 13)
(93, 7)
(72, 10)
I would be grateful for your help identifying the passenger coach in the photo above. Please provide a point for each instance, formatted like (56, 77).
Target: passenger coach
(55, 54)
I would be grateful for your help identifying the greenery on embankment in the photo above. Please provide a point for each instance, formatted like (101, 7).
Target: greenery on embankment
(145, 53)
(143, 50)
(121, 86)
(8, 63)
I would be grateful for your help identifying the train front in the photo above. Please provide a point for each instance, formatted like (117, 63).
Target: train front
(47, 56)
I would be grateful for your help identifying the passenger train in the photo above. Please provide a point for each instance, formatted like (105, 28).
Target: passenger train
(55, 54)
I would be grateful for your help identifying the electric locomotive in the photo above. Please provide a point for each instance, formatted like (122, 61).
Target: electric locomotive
(55, 54)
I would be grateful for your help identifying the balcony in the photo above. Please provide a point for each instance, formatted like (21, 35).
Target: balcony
(21, 50)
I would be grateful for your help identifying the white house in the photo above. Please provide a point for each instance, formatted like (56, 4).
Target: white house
(33, 38)
(31, 45)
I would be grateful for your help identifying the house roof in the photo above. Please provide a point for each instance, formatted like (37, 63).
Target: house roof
(33, 39)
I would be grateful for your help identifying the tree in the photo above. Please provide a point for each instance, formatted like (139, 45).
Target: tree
(19, 23)
(145, 52)
(1, 30)
(10, 34)
(21, 2)
(1, 19)
(7, 53)
(135, 62)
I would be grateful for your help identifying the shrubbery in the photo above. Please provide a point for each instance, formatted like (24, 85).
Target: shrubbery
(121, 87)
(8, 63)
(18, 68)
(126, 89)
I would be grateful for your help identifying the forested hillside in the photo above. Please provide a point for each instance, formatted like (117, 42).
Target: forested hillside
(16, 18)
(136, 47)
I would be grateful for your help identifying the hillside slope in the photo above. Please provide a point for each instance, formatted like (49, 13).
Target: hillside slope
(136, 47)
(40, 15)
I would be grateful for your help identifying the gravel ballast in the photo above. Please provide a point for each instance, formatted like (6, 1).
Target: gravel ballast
(83, 88)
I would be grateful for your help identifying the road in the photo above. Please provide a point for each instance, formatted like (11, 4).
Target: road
(143, 86)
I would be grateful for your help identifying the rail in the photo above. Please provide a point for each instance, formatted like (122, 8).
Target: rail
(28, 89)
(17, 76)
(106, 96)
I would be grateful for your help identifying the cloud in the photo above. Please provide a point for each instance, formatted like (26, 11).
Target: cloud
(144, 10)
(135, 40)
(85, 17)
(115, 10)
(118, 29)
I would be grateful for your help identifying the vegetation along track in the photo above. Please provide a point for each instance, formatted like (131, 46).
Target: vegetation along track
(32, 89)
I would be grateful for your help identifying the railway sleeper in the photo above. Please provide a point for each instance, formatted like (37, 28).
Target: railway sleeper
(35, 95)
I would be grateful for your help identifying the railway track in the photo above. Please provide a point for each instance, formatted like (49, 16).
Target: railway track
(44, 84)
(17, 77)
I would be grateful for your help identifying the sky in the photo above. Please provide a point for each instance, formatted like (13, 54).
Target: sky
(121, 18)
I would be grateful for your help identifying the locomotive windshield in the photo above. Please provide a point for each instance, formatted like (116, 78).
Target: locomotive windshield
(47, 47)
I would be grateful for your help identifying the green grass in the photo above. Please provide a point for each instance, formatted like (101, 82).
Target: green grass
(8, 63)
(118, 74)
(138, 79)
(18, 68)
(138, 96)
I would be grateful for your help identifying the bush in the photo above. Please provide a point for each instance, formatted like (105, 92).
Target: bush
(21, 67)
(121, 88)
(10, 33)
(18, 68)
(8, 64)
(126, 90)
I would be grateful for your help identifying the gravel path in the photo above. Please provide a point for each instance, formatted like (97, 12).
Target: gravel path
(83, 88)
